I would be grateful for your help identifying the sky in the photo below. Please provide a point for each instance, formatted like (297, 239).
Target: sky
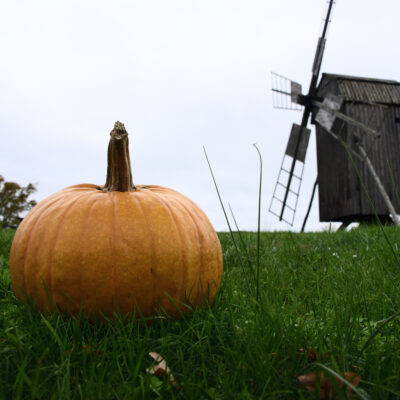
(180, 74)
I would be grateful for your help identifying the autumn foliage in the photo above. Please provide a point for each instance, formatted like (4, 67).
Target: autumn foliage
(328, 386)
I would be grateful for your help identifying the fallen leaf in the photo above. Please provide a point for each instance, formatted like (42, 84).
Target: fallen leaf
(161, 369)
(353, 378)
(312, 354)
(326, 386)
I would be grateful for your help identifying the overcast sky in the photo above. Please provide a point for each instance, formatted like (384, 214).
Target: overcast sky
(179, 74)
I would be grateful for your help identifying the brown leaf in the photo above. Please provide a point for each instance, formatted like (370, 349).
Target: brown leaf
(161, 369)
(312, 354)
(353, 378)
(327, 387)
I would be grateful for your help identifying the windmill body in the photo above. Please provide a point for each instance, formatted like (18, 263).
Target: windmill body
(358, 142)
(376, 104)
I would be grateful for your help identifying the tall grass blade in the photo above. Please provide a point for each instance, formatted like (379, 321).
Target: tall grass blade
(227, 221)
(52, 330)
(377, 330)
(244, 246)
(258, 226)
(360, 393)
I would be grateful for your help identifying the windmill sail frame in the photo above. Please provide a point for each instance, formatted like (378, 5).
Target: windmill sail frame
(288, 189)
(295, 98)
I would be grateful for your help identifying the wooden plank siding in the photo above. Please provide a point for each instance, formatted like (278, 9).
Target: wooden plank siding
(341, 197)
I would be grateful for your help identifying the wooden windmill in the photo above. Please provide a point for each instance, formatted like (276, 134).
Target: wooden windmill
(358, 142)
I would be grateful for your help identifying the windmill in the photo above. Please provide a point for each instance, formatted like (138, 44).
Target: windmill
(326, 112)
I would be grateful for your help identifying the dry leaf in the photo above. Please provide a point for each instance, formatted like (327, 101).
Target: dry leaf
(312, 354)
(161, 369)
(353, 378)
(327, 387)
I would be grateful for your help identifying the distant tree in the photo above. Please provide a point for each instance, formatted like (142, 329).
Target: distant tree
(13, 201)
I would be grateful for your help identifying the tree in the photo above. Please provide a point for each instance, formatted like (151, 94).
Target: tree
(13, 201)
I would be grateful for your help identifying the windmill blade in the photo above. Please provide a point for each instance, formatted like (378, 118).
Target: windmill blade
(318, 56)
(320, 50)
(329, 111)
(287, 188)
(302, 131)
(285, 92)
(325, 115)
(295, 92)
(308, 105)
(322, 40)
(299, 135)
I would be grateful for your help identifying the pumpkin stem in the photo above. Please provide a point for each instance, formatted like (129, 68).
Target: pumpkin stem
(119, 173)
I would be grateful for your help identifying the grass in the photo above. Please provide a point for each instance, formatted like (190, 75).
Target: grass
(337, 293)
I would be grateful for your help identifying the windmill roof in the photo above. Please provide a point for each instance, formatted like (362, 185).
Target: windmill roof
(366, 90)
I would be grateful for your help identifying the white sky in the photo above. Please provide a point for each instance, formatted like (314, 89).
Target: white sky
(179, 74)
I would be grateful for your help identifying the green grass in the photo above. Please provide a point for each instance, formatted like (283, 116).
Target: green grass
(332, 292)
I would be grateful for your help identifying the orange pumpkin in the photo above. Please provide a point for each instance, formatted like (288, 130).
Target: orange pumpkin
(117, 248)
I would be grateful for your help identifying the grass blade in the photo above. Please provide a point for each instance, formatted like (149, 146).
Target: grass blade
(227, 221)
(258, 227)
(360, 393)
(240, 236)
(52, 330)
(377, 330)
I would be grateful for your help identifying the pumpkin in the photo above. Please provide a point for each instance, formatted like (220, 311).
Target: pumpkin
(116, 248)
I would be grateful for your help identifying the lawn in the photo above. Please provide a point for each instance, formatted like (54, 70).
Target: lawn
(323, 302)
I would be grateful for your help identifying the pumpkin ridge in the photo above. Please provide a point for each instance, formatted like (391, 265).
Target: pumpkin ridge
(57, 230)
(35, 222)
(200, 247)
(84, 232)
(93, 301)
(114, 303)
(206, 222)
(220, 258)
(203, 222)
(184, 263)
(215, 241)
(139, 201)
